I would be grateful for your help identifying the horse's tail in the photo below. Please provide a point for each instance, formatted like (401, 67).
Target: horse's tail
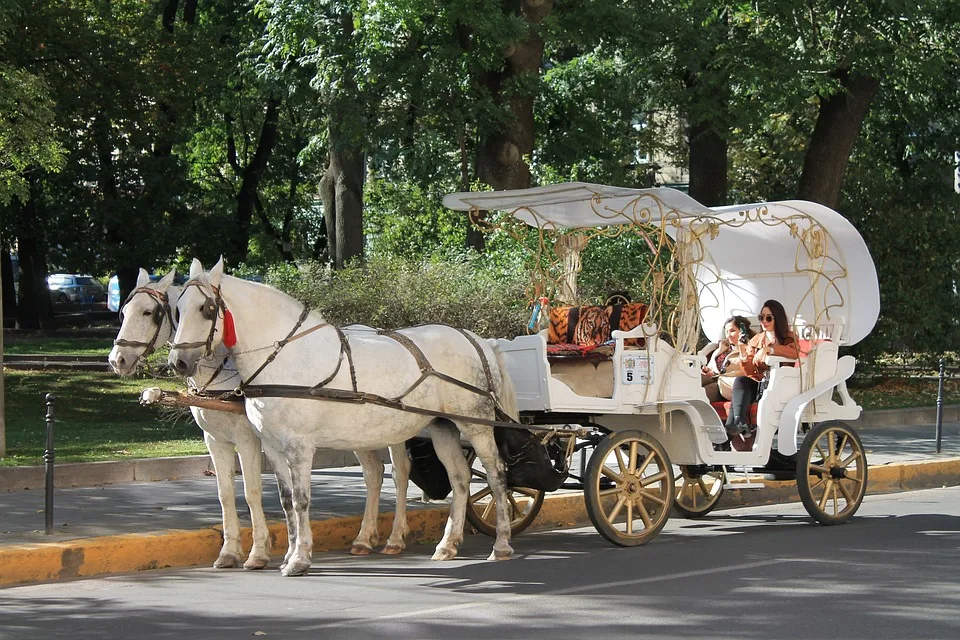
(506, 394)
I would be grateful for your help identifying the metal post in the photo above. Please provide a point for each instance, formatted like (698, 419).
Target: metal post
(48, 457)
(940, 407)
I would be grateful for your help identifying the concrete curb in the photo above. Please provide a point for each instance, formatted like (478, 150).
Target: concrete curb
(92, 474)
(48, 562)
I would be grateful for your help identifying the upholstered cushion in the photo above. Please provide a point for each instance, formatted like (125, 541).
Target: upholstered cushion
(593, 324)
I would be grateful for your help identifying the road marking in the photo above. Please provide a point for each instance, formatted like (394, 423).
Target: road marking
(556, 592)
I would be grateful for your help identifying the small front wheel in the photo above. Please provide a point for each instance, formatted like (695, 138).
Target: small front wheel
(698, 489)
(629, 488)
(482, 507)
(832, 472)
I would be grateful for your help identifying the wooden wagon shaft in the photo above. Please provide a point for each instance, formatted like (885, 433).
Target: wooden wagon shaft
(155, 395)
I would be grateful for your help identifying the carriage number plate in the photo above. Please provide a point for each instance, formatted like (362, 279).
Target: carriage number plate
(638, 370)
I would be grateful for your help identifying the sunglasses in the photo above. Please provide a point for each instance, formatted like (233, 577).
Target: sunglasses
(762, 317)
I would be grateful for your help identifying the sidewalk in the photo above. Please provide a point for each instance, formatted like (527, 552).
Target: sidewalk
(104, 529)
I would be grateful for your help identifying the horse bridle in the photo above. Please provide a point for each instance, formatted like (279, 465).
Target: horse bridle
(212, 308)
(162, 312)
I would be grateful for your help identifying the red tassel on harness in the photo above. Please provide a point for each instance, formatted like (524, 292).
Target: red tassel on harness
(229, 330)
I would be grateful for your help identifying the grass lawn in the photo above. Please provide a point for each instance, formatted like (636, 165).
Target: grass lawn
(97, 417)
(59, 346)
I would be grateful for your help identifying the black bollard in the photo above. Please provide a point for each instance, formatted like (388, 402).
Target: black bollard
(940, 408)
(48, 457)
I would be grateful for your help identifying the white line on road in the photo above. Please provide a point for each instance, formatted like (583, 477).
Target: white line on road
(556, 592)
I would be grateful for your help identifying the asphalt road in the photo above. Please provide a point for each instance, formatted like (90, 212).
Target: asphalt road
(764, 572)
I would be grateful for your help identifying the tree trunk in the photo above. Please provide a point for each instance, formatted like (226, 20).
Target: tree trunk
(9, 290)
(708, 165)
(501, 155)
(838, 126)
(341, 190)
(34, 308)
(250, 179)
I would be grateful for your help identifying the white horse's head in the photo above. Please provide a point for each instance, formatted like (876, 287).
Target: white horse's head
(201, 317)
(146, 322)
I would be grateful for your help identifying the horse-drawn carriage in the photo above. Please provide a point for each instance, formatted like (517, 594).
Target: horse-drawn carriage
(638, 402)
(620, 382)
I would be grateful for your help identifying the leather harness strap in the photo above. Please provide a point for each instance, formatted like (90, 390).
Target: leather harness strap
(162, 302)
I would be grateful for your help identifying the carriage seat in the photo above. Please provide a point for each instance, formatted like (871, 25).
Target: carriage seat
(723, 408)
(584, 333)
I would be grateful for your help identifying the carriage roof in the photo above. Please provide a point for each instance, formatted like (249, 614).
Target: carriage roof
(803, 254)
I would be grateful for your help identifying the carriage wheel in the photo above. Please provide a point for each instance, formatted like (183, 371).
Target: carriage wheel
(832, 472)
(482, 507)
(698, 489)
(629, 488)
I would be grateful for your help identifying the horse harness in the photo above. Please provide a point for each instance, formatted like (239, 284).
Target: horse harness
(162, 311)
(214, 307)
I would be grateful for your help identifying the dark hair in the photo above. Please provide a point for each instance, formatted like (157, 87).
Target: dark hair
(741, 323)
(781, 326)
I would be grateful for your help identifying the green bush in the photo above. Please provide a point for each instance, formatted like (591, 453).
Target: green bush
(389, 292)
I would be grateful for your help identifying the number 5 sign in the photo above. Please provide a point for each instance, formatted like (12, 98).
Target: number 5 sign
(638, 369)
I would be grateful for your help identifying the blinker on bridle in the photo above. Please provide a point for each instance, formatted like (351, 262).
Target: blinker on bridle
(212, 309)
(161, 311)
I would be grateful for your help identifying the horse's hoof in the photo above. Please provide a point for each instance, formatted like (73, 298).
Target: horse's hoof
(226, 561)
(444, 554)
(360, 550)
(501, 554)
(392, 550)
(296, 569)
(254, 563)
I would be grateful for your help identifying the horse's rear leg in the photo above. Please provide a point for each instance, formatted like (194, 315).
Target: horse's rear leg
(222, 456)
(301, 462)
(251, 465)
(401, 479)
(486, 447)
(369, 536)
(446, 442)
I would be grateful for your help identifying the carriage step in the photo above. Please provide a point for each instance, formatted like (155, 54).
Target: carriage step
(743, 485)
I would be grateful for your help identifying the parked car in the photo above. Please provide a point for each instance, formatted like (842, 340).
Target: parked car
(113, 289)
(73, 288)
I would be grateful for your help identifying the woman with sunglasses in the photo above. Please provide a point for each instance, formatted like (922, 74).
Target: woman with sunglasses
(776, 339)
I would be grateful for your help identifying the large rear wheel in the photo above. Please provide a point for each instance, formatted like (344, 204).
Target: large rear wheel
(629, 488)
(482, 507)
(831, 472)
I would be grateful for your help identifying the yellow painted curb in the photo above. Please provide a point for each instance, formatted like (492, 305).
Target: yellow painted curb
(47, 562)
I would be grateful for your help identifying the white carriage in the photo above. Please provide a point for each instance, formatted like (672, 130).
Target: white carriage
(657, 440)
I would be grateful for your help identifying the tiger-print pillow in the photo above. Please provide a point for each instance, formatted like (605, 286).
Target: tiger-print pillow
(626, 317)
(593, 327)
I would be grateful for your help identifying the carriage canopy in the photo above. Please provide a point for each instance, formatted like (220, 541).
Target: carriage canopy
(803, 254)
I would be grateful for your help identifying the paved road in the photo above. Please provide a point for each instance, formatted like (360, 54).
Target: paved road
(765, 572)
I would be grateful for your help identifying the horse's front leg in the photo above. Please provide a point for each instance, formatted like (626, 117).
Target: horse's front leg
(251, 465)
(486, 447)
(281, 470)
(401, 479)
(446, 442)
(369, 535)
(222, 456)
(301, 462)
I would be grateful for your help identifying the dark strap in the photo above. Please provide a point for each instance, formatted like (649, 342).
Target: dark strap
(573, 317)
(357, 397)
(276, 350)
(615, 312)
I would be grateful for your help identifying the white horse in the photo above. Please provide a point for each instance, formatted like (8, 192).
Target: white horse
(281, 350)
(147, 321)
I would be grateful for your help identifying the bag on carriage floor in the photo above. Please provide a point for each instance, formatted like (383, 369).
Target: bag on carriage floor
(426, 470)
(530, 463)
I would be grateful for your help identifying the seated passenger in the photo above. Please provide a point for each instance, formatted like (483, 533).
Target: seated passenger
(776, 339)
(724, 364)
